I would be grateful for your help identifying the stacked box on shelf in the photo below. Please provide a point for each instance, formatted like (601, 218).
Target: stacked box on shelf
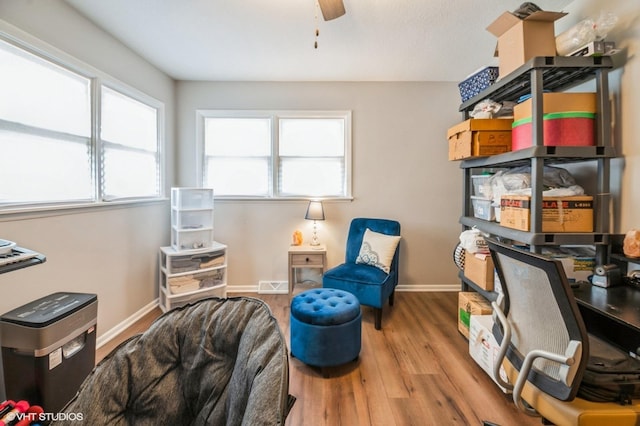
(559, 214)
(479, 268)
(470, 303)
(483, 347)
(477, 82)
(482, 208)
(479, 138)
(481, 198)
(568, 120)
(520, 39)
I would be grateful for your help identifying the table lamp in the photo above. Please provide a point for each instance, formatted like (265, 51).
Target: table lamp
(315, 212)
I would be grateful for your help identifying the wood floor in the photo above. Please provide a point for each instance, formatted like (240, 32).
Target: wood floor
(415, 371)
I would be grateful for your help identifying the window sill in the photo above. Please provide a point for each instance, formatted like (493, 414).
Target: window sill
(280, 199)
(33, 212)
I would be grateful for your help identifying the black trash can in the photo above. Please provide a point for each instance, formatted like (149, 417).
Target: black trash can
(49, 348)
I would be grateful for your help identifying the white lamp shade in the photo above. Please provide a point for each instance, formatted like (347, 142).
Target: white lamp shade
(315, 211)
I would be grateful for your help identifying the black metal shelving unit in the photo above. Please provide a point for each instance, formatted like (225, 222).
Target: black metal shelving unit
(539, 75)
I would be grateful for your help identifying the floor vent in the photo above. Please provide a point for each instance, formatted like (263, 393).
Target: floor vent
(273, 287)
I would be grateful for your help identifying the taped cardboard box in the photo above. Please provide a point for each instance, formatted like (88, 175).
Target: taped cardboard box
(483, 347)
(522, 39)
(558, 102)
(479, 138)
(479, 269)
(559, 214)
(470, 303)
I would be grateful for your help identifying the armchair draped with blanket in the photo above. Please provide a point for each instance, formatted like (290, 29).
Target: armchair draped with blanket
(216, 362)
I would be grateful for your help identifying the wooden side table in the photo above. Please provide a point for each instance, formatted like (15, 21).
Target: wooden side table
(305, 256)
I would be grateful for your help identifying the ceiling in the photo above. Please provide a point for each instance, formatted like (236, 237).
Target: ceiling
(260, 40)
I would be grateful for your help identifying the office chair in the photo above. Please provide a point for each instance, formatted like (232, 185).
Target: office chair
(544, 343)
(374, 279)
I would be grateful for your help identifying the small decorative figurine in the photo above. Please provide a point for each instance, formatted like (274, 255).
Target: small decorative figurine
(297, 238)
(631, 247)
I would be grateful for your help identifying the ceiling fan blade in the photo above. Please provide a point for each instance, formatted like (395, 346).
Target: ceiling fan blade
(331, 9)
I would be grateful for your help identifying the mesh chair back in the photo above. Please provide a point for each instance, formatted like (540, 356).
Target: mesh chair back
(543, 315)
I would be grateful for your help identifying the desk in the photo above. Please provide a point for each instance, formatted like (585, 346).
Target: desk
(611, 313)
(305, 257)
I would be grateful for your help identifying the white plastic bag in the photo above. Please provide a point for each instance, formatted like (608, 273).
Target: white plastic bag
(473, 241)
(584, 32)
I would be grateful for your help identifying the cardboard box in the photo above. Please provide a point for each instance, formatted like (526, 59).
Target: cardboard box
(522, 39)
(559, 214)
(558, 129)
(470, 303)
(483, 347)
(558, 102)
(578, 262)
(479, 138)
(479, 269)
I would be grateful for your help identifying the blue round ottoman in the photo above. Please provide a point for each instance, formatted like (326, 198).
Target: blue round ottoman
(325, 327)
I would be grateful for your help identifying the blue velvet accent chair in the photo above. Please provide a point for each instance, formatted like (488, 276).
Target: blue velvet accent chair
(371, 285)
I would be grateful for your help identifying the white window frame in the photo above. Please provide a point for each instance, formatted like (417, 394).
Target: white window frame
(148, 101)
(274, 116)
(32, 45)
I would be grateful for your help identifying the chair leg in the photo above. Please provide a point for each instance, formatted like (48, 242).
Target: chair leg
(377, 315)
(393, 293)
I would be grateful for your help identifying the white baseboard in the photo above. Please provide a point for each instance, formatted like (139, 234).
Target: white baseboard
(113, 332)
(251, 288)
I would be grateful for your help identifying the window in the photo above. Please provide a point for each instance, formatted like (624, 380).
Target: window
(129, 136)
(49, 150)
(238, 155)
(45, 147)
(268, 154)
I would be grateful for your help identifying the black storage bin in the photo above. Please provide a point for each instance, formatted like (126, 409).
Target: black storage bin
(49, 348)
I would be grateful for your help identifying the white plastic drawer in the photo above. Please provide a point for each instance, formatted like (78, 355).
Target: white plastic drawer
(193, 282)
(192, 198)
(187, 263)
(168, 301)
(191, 219)
(189, 239)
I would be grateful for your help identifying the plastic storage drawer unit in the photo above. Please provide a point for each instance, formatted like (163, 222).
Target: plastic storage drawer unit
(49, 348)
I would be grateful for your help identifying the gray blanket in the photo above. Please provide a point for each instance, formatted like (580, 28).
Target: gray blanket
(217, 362)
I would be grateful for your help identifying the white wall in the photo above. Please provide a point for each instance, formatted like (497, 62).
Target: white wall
(108, 251)
(400, 171)
(625, 91)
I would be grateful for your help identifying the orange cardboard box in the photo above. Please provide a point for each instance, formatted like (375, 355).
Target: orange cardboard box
(479, 138)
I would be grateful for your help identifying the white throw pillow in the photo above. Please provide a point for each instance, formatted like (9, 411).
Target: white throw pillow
(378, 249)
